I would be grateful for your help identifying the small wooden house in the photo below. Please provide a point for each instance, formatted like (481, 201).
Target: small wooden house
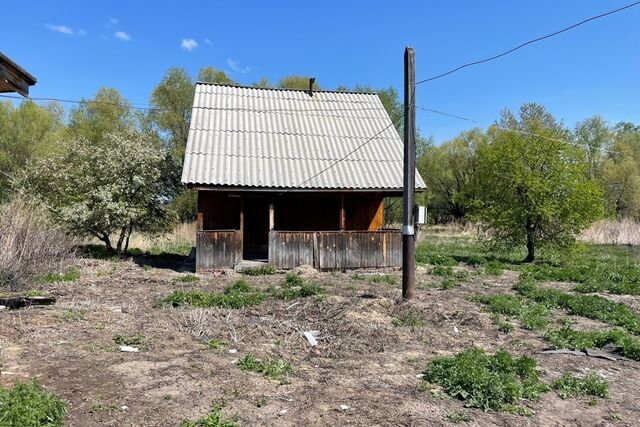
(293, 177)
(14, 78)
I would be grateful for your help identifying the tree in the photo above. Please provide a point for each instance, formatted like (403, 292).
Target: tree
(534, 188)
(212, 75)
(102, 189)
(595, 135)
(449, 171)
(296, 82)
(26, 132)
(621, 173)
(107, 112)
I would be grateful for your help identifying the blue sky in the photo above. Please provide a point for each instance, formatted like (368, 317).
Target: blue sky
(75, 47)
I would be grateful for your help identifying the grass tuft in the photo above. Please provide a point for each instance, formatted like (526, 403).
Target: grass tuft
(28, 404)
(457, 417)
(533, 316)
(566, 337)
(70, 275)
(384, 278)
(187, 278)
(238, 295)
(408, 319)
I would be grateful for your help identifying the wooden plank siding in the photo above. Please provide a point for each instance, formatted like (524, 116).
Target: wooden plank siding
(328, 250)
(218, 249)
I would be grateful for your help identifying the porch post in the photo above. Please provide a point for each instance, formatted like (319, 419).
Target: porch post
(241, 227)
(342, 213)
(272, 218)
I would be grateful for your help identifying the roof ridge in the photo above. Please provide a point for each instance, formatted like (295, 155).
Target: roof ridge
(233, 85)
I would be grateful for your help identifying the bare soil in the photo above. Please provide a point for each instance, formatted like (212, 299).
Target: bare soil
(362, 360)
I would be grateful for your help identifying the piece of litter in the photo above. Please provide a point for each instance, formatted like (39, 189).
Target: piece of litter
(284, 411)
(129, 349)
(293, 305)
(344, 407)
(2, 307)
(233, 351)
(124, 407)
(455, 329)
(420, 376)
(311, 338)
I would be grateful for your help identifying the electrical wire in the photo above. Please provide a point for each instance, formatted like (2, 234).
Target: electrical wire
(529, 42)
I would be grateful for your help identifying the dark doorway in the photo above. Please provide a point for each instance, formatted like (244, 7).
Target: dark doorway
(256, 228)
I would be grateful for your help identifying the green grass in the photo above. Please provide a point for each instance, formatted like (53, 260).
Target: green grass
(408, 319)
(566, 337)
(277, 369)
(215, 418)
(137, 340)
(501, 323)
(215, 344)
(590, 306)
(187, 278)
(263, 270)
(457, 417)
(28, 404)
(569, 385)
(497, 382)
(294, 286)
(238, 295)
(37, 293)
(384, 278)
(70, 275)
(596, 268)
(533, 316)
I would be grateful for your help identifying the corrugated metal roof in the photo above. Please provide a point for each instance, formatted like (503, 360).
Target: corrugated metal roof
(274, 138)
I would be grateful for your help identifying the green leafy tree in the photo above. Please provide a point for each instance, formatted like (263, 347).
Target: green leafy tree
(534, 188)
(107, 112)
(449, 171)
(26, 132)
(621, 173)
(212, 75)
(105, 189)
(296, 82)
(595, 135)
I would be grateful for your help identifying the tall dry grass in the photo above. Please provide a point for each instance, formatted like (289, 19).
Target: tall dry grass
(610, 231)
(30, 245)
(182, 236)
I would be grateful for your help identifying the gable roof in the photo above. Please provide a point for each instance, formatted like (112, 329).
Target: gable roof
(284, 139)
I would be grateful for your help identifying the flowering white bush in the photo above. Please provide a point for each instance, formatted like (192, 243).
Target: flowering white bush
(104, 189)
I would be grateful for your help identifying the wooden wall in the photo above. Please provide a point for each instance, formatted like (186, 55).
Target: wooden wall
(329, 250)
(218, 249)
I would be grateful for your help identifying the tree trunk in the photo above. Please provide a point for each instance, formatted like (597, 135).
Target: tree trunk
(121, 240)
(531, 249)
(105, 239)
(126, 245)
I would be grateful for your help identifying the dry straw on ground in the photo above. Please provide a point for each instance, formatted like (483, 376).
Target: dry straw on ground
(608, 231)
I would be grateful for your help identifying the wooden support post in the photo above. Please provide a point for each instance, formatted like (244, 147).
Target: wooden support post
(241, 227)
(409, 187)
(342, 213)
(272, 217)
(200, 214)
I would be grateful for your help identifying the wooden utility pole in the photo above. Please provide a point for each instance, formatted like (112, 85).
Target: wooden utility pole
(409, 183)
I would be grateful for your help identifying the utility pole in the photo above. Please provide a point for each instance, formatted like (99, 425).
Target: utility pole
(409, 182)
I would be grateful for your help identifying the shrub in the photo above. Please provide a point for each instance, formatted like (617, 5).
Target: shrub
(215, 418)
(294, 286)
(278, 369)
(569, 385)
(27, 404)
(30, 245)
(487, 381)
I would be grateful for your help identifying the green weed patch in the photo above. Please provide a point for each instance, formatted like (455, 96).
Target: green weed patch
(533, 316)
(572, 339)
(70, 275)
(215, 418)
(263, 270)
(27, 404)
(408, 319)
(569, 385)
(277, 369)
(236, 296)
(590, 306)
(495, 382)
(294, 286)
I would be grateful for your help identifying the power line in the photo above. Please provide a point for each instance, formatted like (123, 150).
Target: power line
(532, 41)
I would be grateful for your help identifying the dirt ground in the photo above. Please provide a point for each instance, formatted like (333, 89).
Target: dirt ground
(362, 361)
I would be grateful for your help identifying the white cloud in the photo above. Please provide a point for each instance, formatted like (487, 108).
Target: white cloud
(208, 42)
(81, 32)
(121, 35)
(62, 29)
(235, 66)
(188, 44)
(113, 21)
